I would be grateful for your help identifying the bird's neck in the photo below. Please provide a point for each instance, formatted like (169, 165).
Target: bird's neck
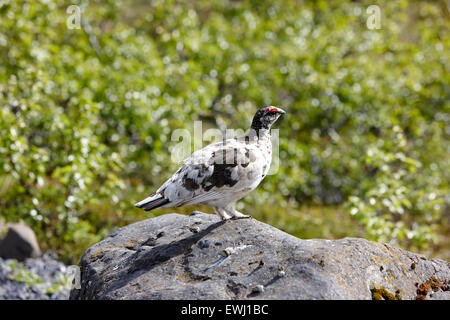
(259, 134)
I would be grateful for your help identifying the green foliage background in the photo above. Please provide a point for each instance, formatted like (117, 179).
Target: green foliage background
(87, 114)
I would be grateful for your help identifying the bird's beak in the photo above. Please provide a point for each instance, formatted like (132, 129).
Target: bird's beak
(281, 111)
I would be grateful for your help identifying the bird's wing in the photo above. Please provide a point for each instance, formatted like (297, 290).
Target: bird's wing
(212, 170)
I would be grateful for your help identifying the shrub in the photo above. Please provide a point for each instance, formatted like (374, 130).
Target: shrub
(87, 114)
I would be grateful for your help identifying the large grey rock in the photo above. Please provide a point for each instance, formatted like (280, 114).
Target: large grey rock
(198, 257)
(19, 243)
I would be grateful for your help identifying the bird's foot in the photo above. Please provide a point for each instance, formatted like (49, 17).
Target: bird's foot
(226, 217)
(222, 214)
(238, 215)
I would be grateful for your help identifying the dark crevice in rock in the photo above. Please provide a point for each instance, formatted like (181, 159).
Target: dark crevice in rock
(235, 290)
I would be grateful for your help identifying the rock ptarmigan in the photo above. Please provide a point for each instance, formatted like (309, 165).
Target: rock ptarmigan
(221, 173)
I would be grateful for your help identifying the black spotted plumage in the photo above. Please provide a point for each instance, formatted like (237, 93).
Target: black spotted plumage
(221, 173)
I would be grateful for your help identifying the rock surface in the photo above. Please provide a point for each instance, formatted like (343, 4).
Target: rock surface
(199, 257)
(19, 243)
(33, 279)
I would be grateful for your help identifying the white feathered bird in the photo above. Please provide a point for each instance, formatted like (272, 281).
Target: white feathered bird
(221, 173)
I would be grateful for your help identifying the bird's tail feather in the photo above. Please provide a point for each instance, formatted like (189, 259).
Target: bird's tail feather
(152, 202)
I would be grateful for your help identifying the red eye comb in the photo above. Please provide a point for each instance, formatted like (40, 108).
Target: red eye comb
(274, 109)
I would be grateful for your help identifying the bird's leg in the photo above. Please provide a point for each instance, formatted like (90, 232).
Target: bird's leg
(221, 213)
(234, 213)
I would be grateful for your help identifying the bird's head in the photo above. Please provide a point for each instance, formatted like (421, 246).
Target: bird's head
(265, 117)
